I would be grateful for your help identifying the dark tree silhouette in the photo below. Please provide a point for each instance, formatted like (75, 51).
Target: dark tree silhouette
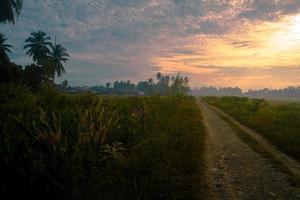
(34, 76)
(151, 81)
(164, 87)
(57, 56)
(9, 10)
(107, 85)
(158, 76)
(37, 45)
(4, 48)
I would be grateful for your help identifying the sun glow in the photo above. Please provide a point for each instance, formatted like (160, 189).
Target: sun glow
(288, 36)
(258, 45)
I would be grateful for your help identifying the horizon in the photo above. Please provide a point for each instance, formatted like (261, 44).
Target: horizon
(257, 44)
(197, 86)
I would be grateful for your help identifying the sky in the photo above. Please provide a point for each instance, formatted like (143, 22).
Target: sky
(246, 43)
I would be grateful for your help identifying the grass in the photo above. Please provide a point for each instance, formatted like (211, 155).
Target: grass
(278, 123)
(59, 146)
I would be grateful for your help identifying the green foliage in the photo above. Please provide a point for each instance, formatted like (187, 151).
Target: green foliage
(49, 56)
(33, 76)
(10, 72)
(9, 10)
(4, 48)
(57, 55)
(37, 46)
(256, 104)
(277, 123)
(59, 146)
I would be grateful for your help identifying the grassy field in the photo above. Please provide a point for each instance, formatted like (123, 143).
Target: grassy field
(277, 122)
(59, 146)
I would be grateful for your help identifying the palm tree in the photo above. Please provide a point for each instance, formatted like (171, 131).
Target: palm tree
(158, 76)
(167, 80)
(4, 48)
(150, 80)
(57, 55)
(37, 45)
(9, 9)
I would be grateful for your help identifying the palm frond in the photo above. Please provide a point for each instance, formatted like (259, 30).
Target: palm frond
(4, 48)
(9, 10)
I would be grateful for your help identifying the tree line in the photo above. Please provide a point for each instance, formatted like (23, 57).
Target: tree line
(288, 92)
(163, 85)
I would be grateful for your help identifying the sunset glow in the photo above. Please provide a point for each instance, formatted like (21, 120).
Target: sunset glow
(246, 43)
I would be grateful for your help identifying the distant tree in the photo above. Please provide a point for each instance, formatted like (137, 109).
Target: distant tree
(38, 46)
(158, 76)
(116, 84)
(186, 81)
(150, 80)
(4, 48)
(107, 85)
(142, 86)
(9, 10)
(167, 78)
(64, 84)
(180, 85)
(57, 56)
(150, 85)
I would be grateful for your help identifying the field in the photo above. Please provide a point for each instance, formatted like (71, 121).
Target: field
(277, 121)
(60, 146)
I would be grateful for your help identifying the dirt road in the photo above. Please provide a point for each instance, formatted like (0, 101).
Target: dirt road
(235, 171)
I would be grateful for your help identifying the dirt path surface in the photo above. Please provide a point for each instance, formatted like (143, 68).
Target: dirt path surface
(235, 171)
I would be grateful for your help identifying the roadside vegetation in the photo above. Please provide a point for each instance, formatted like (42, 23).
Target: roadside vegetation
(60, 146)
(279, 123)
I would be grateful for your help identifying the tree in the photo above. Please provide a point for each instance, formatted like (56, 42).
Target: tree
(180, 85)
(158, 76)
(4, 48)
(142, 86)
(64, 84)
(9, 10)
(57, 55)
(10, 72)
(34, 76)
(107, 85)
(37, 45)
(150, 80)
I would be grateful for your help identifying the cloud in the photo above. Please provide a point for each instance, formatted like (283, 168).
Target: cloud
(243, 44)
(132, 39)
(268, 9)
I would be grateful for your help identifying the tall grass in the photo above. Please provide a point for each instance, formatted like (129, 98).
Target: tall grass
(59, 146)
(279, 123)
